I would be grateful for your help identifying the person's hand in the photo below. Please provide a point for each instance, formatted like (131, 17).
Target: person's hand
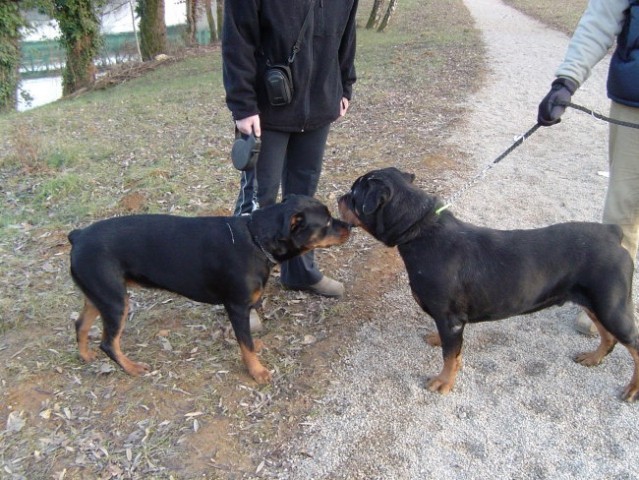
(550, 110)
(343, 106)
(249, 125)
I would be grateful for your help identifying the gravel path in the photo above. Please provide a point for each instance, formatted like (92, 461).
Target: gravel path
(521, 408)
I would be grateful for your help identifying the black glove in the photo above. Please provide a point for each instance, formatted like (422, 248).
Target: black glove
(549, 109)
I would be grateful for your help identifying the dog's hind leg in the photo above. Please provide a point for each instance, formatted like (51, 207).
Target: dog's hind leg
(606, 345)
(631, 392)
(82, 326)
(114, 319)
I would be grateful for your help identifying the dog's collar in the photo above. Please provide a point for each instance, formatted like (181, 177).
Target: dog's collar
(257, 242)
(268, 256)
(440, 209)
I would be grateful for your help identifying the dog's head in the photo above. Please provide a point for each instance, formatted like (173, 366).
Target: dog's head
(386, 204)
(297, 225)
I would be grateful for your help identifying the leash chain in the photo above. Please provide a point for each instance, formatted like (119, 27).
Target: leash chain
(521, 140)
(483, 171)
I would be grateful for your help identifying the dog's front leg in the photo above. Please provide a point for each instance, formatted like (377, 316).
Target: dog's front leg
(451, 333)
(239, 316)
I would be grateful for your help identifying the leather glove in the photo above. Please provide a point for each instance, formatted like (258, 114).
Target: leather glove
(550, 111)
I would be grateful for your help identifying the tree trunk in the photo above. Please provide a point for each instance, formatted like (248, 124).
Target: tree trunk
(9, 55)
(152, 28)
(392, 6)
(376, 12)
(191, 22)
(80, 37)
(214, 38)
(135, 29)
(219, 8)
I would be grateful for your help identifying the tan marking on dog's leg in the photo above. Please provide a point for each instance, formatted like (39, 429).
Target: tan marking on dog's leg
(433, 339)
(607, 343)
(444, 382)
(259, 373)
(256, 295)
(82, 326)
(631, 392)
(134, 369)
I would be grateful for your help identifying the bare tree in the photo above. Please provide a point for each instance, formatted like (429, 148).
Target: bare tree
(392, 6)
(220, 15)
(376, 14)
(191, 22)
(152, 28)
(213, 25)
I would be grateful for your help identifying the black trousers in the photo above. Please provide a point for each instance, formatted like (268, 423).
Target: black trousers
(294, 162)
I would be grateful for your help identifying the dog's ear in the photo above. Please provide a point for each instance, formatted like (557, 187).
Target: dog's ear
(297, 221)
(375, 198)
(409, 177)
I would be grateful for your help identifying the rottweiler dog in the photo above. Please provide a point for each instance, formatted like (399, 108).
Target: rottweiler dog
(214, 260)
(461, 273)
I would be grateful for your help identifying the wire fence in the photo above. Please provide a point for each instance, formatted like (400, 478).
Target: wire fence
(47, 57)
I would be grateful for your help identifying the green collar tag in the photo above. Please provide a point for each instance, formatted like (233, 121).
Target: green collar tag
(441, 209)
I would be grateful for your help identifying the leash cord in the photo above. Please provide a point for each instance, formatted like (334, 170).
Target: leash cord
(598, 115)
(521, 140)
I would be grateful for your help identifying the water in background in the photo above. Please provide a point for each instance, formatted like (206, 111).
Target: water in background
(42, 91)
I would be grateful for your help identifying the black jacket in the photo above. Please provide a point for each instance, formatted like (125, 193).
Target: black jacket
(323, 70)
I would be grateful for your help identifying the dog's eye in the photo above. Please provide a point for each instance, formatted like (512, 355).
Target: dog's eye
(328, 224)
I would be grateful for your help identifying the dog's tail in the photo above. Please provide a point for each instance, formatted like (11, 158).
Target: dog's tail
(73, 235)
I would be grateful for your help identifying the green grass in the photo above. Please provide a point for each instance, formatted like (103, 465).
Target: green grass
(562, 16)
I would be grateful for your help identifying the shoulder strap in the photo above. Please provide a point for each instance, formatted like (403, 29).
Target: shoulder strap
(298, 43)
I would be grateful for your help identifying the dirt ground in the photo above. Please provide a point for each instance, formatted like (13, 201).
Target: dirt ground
(347, 399)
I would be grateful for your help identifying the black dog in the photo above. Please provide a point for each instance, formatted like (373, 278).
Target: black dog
(215, 260)
(460, 273)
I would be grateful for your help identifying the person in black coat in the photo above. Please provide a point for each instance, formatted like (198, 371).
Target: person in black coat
(315, 40)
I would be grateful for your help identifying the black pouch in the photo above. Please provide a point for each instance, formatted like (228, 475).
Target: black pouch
(279, 84)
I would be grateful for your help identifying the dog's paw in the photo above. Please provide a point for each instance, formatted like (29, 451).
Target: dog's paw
(88, 356)
(261, 375)
(439, 384)
(136, 369)
(433, 339)
(588, 359)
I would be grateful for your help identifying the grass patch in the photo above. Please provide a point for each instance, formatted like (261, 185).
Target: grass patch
(562, 16)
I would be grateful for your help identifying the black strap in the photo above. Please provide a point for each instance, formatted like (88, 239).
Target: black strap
(298, 43)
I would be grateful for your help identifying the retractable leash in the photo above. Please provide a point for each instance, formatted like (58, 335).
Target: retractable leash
(521, 140)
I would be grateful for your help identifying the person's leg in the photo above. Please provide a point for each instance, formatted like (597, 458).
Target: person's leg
(270, 166)
(246, 200)
(301, 176)
(622, 197)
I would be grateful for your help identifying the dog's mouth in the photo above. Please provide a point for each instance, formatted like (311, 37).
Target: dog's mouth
(339, 234)
(346, 213)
